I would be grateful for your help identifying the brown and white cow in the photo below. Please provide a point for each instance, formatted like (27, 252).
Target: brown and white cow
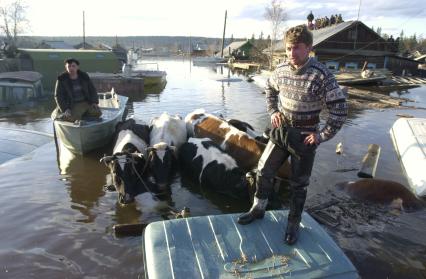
(239, 145)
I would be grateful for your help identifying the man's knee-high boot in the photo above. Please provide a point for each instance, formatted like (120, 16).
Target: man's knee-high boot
(297, 203)
(257, 211)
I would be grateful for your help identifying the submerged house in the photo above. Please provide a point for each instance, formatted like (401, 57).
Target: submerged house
(50, 62)
(242, 50)
(349, 44)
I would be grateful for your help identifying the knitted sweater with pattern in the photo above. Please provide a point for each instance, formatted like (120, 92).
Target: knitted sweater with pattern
(300, 95)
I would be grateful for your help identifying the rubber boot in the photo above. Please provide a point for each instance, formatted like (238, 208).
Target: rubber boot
(257, 211)
(295, 216)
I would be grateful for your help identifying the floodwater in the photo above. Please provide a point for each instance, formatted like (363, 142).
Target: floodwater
(56, 220)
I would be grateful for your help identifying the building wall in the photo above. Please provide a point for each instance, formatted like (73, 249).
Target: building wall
(399, 66)
(342, 60)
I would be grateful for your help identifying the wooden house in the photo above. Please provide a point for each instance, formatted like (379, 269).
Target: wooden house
(242, 50)
(348, 45)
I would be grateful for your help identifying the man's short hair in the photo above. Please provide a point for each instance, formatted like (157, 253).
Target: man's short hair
(299, 34)
(71, 60)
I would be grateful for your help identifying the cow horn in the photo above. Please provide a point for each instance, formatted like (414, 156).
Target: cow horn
(137, 155)
(150, 149)
(107, 159)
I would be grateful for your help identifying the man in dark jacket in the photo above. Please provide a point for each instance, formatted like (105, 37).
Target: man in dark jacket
(75, 94)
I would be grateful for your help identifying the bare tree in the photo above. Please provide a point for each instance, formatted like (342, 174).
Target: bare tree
(12, 20)
(275, 13)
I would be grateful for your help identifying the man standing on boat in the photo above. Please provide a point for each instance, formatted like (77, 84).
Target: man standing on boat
(295, 94)
(75, 94)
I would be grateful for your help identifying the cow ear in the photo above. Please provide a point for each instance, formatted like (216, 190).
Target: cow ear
(153, 120)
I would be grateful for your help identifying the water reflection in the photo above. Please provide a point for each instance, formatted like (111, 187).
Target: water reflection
(85, 177)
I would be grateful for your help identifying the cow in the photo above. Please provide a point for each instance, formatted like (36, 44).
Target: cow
(128, 162)
(168, 133)
(239, 145)
(204, 161)
(247, 128)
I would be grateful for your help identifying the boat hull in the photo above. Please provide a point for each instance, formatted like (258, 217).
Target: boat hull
(89, 135)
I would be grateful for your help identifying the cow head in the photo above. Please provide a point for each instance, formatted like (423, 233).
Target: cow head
(126, 172)
(161, 163)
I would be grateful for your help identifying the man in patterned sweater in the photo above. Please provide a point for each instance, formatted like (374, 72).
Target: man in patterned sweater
(295, 95)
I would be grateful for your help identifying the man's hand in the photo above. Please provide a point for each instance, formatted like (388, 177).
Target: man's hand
(67, 113)
(276, 119)
(95, 106)
(312, 138)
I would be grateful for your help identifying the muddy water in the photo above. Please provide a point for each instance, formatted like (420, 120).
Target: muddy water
(56, 220)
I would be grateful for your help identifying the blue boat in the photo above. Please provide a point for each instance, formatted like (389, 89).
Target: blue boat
(218, 247)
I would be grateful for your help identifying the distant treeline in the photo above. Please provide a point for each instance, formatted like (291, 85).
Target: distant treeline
(170, 42)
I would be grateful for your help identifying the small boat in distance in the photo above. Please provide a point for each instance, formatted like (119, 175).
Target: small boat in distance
(88, 134)
(150, 72)
(19, 87)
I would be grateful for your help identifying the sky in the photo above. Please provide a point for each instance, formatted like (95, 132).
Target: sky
(205, 18)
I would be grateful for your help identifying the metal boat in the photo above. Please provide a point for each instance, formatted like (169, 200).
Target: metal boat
(88, 134)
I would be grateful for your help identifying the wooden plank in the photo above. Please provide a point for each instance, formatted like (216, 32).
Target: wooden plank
(369, 162)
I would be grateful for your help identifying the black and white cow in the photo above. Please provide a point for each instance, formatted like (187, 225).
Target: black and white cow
(128, 163)
(204, 161)
(168, 133)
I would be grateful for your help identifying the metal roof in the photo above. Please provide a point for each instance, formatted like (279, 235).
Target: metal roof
(217, 247)
(323, 34)
(29, 76)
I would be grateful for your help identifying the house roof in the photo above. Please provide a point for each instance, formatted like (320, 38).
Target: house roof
(322, 34)
(29, 76)
(233, 46)
(80, 45)
(57, 44)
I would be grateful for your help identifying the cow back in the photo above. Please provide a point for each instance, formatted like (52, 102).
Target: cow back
(168, 129)
(244, 149)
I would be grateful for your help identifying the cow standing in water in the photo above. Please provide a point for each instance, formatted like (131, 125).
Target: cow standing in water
(204, 161)
(168, 133)
(128, 163)
(245, 149)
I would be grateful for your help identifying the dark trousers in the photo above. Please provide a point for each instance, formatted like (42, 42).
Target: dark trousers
(285, 142)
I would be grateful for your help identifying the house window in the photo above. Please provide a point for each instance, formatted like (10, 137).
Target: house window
(371, 66)
(351, 65)
(334, 66)
(352, 34)
(53, 56)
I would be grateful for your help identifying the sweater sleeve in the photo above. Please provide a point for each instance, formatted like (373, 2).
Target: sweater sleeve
(272, 91)
(335, 100)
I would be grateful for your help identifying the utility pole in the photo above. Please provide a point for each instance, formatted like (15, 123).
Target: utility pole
(223, 37)
(84, 32)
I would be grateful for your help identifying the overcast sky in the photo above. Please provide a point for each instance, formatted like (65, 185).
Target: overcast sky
(205, 18)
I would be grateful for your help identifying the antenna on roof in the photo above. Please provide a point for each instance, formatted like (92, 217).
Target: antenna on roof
(84, 32)
(356, 26)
